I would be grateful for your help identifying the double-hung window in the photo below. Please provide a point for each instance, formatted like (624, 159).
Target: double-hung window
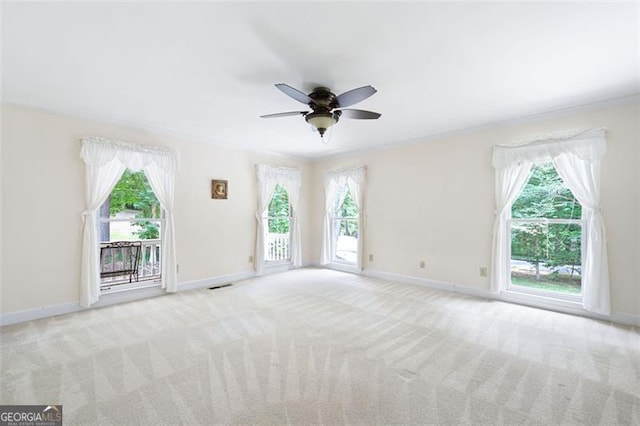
(546, 237)
(130, 231)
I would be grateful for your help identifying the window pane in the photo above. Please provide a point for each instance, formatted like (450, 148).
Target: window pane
(546, 196)
(348, 207)
(130, 230)
(279, 205)
(346, 240)
(277, 241)
(133, 192)
(279, 225)
(547, 256)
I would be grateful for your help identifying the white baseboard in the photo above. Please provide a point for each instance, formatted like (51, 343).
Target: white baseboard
(116, 298)
(38, 313)
(128, 296)
(221, 279)
(558, 306)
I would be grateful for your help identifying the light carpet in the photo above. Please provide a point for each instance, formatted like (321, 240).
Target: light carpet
(317, 346)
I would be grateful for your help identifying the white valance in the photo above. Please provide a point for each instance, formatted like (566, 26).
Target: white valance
(266, 173)
(588, 145)
(97, 152)
(356, 174)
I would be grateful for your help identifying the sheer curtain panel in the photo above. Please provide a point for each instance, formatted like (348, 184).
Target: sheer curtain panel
(106, 161)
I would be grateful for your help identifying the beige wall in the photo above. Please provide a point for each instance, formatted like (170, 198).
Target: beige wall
(434, 201)
(444, 187)
(43, 191)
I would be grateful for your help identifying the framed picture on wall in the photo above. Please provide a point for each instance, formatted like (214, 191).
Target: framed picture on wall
(219, 189)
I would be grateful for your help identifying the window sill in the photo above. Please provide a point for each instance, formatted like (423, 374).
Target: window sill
(279, 266)
(119, 288)
(152, 289)
(344, 267)
(541, 301)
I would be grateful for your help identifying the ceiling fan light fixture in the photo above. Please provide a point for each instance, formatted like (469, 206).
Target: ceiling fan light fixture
(322, 120)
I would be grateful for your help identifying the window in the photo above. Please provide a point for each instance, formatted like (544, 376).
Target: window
(106, 160)
(546, 237)
(131, 213)
(555, 226)
(278, 218)
(346, 226)
(342, 227)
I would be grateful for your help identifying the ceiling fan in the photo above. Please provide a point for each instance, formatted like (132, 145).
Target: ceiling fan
(326, 107)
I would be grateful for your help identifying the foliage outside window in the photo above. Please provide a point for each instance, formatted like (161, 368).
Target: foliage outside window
(279, 212)
(278, 239)
(546, 235)
(346, 225)
(132, 211)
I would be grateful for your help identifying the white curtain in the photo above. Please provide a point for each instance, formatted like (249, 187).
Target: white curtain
(331, 189)
(576, 156)
(162, 182)
(291, 180)
(100, 180)
(292, 186)
(509, 183)
(583, 179)
(334, 182)
(105, 161)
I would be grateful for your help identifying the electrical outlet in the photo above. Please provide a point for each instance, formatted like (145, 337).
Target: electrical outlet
(422, 264)
(370, 258)
(177, 269)
(483, 271)
(250, 259)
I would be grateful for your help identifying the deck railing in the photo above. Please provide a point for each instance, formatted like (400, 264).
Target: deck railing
(149, 265)
(277, 248)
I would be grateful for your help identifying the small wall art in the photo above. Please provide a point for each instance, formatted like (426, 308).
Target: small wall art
(219, 189)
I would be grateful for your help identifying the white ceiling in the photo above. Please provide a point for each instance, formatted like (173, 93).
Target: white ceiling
(206, 70)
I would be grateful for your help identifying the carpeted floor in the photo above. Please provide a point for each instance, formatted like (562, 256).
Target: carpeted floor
(319, 346)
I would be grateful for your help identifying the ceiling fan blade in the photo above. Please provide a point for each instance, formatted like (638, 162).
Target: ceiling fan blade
(354, 96)
(359, 114)
(294, 93)
(284, 114)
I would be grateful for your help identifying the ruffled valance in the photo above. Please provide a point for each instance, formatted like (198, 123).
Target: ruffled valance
(266, 173)
(342, 175)
(98, 151)
(587, 145)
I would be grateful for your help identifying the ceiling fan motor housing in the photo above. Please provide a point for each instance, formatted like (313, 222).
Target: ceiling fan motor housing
(323, 100)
